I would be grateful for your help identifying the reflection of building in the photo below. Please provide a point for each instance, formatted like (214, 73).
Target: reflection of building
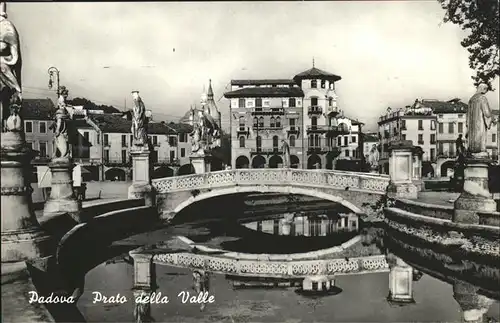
(307, 226)
(302, 111)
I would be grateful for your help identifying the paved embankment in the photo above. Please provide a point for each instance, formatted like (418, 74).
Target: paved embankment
(16, 285)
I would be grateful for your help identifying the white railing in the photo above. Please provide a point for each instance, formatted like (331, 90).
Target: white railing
(302, 268)
(319, 178)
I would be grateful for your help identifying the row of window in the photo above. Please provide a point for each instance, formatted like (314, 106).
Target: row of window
(125, 157)
(314, 84)
(42, 126)
(172, 140)
(258, 141)
(285, 103)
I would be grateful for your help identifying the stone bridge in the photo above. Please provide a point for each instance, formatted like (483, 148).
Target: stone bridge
(356, 191)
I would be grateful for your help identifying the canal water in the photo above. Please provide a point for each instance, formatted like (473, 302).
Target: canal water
(358, 298)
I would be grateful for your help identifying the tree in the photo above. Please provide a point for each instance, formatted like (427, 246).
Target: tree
(89, 105)
(481, 19)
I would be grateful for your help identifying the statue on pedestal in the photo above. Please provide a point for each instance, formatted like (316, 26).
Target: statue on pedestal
(10, 74)
(373, 157)
(60, 127)
(479, 121)
(286, 153)
(139, 121)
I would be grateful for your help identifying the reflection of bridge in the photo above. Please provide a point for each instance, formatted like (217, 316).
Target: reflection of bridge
(356, 191)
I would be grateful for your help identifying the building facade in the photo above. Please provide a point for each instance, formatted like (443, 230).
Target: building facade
(38, 119)
(412, 123)
(370, 140)
(435, 126)
(301, 111)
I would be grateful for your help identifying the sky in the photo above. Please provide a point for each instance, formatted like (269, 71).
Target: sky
(388, 53)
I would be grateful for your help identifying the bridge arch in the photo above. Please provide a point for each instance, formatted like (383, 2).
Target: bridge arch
(186, 169)
(163, 171)
(242, 162)
(294, 161)
(274, 161)
(115, 174)
(312, 161)
(267, 189)
(259, 161)
(449, 164)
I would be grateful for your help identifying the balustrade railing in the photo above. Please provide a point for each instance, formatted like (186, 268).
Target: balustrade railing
(300, 268)
(320, 178)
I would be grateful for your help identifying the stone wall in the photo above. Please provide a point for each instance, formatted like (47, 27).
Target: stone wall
(431, 210)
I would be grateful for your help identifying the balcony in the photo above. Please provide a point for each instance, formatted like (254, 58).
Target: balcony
(266, 151)
(314, 110)
(330, 130)
(420, 142)
(270, 127)
(268, 111)
(319, 149)
(242, 130)
(166, 162)
(41, 160)
(332, 111)
(117, 162)
(293, 130)
(446, 155)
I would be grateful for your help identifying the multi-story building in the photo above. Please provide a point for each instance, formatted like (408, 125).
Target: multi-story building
(417, 124)
(301, 111)
(263, 113)
(435, 126)
(38, 118)
(350, 142)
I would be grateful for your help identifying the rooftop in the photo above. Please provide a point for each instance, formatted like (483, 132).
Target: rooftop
(441, 107)
(263, 82)
(114, 123)
(266, 92)
(38, 109)
(316, 73)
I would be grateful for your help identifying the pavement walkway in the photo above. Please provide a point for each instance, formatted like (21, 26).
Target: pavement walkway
(15, 299)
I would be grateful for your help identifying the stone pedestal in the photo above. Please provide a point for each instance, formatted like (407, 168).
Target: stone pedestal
(62, 199)
(400, 282)
(473, 305)
(22, 237)
(201, 163)
(476, 196)
(401, 170)
(417, 169)
(141, 180)
(144, 285)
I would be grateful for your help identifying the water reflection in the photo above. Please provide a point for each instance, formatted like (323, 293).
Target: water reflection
(307, 224)
(412, 287)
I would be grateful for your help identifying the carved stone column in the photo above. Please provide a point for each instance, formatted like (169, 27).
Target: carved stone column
(473, 305)
(62, 199)
(141, 179)
(144, 285)
(22, 236)
(401, 170)
(476, 196)
(400, 281)
(201, 163)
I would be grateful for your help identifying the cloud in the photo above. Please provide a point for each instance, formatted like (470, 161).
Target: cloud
(388, 53)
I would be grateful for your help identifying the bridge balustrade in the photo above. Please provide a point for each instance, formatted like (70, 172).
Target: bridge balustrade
(282, 176)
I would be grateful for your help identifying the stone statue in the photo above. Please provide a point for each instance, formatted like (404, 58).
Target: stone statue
(479, 121)
(459, 143)
(286, 153)
(139, 121)
(373, 157)
(10, 74)
(60, 127)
